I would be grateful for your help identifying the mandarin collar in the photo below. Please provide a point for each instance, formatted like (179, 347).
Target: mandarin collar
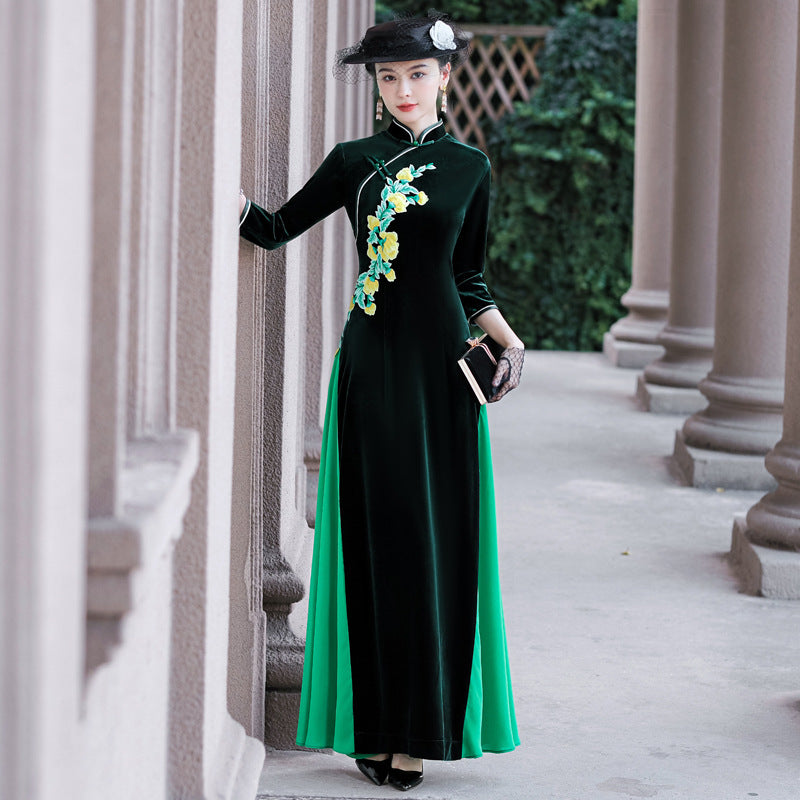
(405, 134)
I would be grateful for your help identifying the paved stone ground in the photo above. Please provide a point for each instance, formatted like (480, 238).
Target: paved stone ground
(639, 669)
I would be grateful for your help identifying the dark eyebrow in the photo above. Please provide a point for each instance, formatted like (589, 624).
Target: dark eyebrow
(410, 69)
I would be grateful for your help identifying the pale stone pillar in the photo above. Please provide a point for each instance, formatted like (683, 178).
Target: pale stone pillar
(319, 264)
(669, 384)
(46, 107)
(765, 546)
(210, 755)
(247, 645)
(295, 321)
(631, 341)
(280, 137)
(724, 444)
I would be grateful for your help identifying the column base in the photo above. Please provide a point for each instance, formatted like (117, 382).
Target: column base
(629, 355)
(762, 570)
(668, 399)
(713, 469)
(774, 521)
(281, 714)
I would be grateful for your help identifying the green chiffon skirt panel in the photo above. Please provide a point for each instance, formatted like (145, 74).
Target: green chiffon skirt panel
(490, 724)
(326, 701)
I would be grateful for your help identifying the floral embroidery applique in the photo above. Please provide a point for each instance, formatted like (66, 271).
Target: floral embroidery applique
(382, 244)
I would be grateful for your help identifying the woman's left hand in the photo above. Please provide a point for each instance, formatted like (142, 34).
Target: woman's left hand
(508, 372)
(509, 365)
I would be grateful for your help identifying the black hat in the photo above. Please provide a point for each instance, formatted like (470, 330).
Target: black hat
(405, 39)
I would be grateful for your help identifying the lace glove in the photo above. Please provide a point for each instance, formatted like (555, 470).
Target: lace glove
(508, 372)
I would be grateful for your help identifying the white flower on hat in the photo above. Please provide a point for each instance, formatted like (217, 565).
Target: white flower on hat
(442, 35)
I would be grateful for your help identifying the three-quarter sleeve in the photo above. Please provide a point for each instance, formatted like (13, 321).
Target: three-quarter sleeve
(322, 194)
(470, 251)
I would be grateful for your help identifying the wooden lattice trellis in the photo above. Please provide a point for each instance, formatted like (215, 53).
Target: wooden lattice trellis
(501, 70)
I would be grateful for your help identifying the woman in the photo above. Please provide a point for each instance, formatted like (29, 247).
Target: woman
(405, 651)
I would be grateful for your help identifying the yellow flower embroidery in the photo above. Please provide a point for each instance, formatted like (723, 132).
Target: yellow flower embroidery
(389, 246)
(399, 202)
(383, 244)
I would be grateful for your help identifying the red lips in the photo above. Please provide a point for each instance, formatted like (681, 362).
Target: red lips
(407, 107)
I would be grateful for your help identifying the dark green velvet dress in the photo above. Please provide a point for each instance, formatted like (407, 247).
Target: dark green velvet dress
(405, 648)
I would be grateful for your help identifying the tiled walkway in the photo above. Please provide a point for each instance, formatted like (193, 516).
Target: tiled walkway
(639, 669)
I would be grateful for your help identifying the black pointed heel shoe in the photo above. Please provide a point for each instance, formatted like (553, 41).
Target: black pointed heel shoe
(404, 779)
(376, 771)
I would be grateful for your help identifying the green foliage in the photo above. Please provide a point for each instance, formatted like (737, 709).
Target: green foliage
(583, 51)
(559, 254)
(627, 10)
(507, 12)
(499, 12)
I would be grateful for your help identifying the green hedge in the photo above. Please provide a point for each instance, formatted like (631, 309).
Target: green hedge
(559, 253)
(507, 12)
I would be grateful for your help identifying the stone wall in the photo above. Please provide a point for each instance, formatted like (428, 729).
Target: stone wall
(160, 404)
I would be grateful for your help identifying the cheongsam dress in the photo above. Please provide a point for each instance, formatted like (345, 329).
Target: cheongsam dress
(406, 647)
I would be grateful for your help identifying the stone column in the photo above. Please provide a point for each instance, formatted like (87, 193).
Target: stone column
(669, 385)
(281, 133)
(210, 755)
(317, 357)
(46, 123)
(724, 444)
(631, 341)
(765, 545)
(248, 632)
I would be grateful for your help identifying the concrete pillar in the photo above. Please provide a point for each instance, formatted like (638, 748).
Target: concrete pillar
(631, 341)
(294, 308)
(210, 754)
(766, 545)
(669, 384)
(724, 444)
(280, 133)
(316, 358)
(254, 400)
(46, 108)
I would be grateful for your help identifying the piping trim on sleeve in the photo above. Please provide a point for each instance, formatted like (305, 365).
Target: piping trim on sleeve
(245, 213)
(481, 310)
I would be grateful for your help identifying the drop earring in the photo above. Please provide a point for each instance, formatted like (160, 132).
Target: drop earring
(444, 100)
(379, 109)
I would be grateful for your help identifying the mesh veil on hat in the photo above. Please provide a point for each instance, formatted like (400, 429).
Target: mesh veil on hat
(403, 39)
